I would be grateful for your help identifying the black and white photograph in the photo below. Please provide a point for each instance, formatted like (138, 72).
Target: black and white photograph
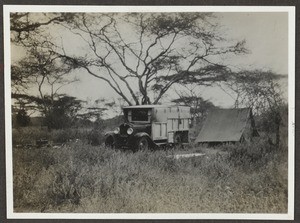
(149, 112)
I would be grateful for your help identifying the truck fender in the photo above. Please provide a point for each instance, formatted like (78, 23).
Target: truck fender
(110, 133)
(144, 134)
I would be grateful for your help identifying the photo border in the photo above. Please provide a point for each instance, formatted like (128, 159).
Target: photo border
(291, 93)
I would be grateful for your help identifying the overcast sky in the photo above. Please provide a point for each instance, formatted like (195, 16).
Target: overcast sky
(266, 36)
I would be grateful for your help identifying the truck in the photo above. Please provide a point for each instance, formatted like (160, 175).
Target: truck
(150, 126)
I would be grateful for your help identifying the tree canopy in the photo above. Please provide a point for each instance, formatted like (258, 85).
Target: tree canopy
(139, 55)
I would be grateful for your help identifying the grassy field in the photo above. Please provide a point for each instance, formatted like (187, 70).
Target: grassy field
(79, 177)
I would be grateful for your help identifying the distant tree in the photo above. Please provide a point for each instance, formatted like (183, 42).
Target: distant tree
(42, 69)
(63, 113)
(22, 109)
(260, 90)
(199, 106)
(22, 118)
(93, 111)
(97, 111)
(38, 77)
(37, 80)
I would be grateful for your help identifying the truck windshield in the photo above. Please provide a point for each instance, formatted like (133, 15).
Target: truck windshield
(139, 115)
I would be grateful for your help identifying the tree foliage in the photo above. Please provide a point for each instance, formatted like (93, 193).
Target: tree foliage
(199, 106)
(141, 55)
(63, 112)
(26, 28)
(260, 90)
(39, 76)
(22, 118)
(36, 81)
(256, 89)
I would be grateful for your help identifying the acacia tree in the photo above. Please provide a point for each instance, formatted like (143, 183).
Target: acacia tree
(39, 76)
(43, 71)
(26, 28)
(256, 89)
(39, 66)
(260, 90)
(63, 113)
(141, 55)
(199, 106)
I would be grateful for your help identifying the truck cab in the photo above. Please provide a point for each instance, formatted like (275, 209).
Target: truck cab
(149, 126)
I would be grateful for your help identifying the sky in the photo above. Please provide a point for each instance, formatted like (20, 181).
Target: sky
(266, 36)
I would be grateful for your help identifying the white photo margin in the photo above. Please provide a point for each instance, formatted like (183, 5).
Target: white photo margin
(291, 103)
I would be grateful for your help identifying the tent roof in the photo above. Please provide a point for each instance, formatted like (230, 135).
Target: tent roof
(224, 125)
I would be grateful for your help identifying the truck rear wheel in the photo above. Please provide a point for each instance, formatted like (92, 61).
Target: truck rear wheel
(178, 141)
(142, 143)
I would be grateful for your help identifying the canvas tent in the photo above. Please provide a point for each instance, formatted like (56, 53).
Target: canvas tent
(227, 125)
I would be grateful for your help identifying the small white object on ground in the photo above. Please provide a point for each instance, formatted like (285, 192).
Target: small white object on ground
(178, 156)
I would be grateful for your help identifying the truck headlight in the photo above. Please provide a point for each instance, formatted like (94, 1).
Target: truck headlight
(129, 131)
(117, 130)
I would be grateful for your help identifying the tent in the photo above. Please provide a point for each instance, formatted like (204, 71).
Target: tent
(228, 125)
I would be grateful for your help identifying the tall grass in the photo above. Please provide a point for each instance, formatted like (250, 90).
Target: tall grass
(79, 177)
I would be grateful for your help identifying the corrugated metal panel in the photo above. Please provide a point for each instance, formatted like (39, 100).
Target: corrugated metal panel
(224, 125)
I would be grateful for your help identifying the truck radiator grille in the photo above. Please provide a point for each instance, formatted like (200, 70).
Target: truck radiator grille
(123, 129)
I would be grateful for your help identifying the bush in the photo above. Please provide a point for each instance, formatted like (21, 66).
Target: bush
(95, 137)
(252, 155)
(28, 135)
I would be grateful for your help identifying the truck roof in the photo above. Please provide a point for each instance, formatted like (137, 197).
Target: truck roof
(154, 106)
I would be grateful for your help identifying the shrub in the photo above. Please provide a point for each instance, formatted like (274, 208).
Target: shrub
(62, 135)
(249, 155)
(28, 135)
(95, 137)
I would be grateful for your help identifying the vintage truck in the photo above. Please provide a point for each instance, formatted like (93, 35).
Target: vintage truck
(149, 126)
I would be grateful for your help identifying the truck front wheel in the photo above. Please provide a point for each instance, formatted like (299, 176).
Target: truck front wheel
(142, 143)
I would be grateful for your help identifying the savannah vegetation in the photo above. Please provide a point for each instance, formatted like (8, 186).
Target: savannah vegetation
(73, 172)
(79, 177)
(76, 173)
